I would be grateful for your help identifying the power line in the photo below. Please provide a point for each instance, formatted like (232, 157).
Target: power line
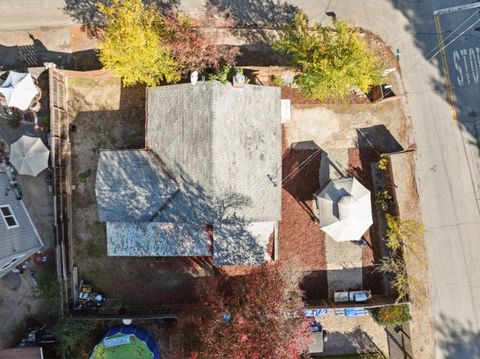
(441, 47)
(300, 166)
(438, 48)
(451, 33)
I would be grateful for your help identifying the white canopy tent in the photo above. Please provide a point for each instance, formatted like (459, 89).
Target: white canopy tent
(29, 156)
(345, 209)
(19, 90)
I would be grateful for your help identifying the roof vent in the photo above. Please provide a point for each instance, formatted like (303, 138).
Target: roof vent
(194, 77)
(239, 79)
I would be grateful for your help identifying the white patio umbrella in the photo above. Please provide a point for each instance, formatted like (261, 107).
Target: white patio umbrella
(29, 156)
(19, 90)
(345, 209)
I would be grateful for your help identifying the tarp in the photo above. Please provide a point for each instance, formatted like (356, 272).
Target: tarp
(29, 155)
(19, 90)
(116, 341)
(354, 312)
(345, 209)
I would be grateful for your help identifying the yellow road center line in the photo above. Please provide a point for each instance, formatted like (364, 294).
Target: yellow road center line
(450, 96)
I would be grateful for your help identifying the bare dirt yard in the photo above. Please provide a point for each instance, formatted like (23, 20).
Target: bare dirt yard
(105, 115)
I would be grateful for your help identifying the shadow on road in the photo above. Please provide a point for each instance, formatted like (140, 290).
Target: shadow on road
(35, 55)
(460, 32)
(457, 340)
(86, 13)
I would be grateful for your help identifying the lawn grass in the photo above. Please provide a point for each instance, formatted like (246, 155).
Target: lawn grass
(137, 349)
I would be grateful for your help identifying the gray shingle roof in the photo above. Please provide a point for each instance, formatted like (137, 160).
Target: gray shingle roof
(18, 241)
(157, 239)
(237, 243)
(225, 140)
(210, 150)
(131, 186)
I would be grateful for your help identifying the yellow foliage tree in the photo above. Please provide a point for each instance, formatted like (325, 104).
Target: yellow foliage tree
(132, 45)
(403, 232)
(331, 61)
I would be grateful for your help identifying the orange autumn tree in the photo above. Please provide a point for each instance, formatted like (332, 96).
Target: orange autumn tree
(195, 42)
(266, 317)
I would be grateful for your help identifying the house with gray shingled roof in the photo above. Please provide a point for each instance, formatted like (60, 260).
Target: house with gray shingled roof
(202, 186)
(19, 238)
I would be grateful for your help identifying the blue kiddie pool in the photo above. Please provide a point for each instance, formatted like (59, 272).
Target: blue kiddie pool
(126, 342)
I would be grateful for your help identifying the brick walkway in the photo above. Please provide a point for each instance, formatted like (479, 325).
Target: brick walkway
(399, 344)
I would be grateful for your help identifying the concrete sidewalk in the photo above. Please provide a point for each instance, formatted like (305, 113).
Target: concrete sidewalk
(17, 304)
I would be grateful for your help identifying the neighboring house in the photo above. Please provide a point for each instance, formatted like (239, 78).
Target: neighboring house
(18, 237)
(207, 183)
(22, 353)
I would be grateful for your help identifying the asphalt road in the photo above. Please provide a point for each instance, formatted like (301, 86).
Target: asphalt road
(447, 163)
(33, 14)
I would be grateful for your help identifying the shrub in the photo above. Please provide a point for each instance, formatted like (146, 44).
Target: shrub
(401, 281)
(383, 200)
(403, 232)
(383, 164)
(392, 315)
(226, 74)
(48, 290)
(82, 176)
(70, 333)
(277, 81)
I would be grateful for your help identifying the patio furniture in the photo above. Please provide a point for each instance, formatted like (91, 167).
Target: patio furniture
(359, 296)
(311, 313)
(339, 297)
(345, 209)
(29, 156)
(19, 90)
(355, 312)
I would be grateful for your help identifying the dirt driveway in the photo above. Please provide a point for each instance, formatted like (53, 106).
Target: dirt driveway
(335, 126)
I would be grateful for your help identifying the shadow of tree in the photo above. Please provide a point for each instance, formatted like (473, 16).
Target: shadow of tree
(257, 12)
(127, 191)
(460, 29)
(255, 19)
(86, 13)
(457, 340)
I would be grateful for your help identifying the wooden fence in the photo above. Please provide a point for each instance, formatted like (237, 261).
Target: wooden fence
(60, 155)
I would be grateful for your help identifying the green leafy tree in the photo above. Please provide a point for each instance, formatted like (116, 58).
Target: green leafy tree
(331, 61)
(132, 45)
